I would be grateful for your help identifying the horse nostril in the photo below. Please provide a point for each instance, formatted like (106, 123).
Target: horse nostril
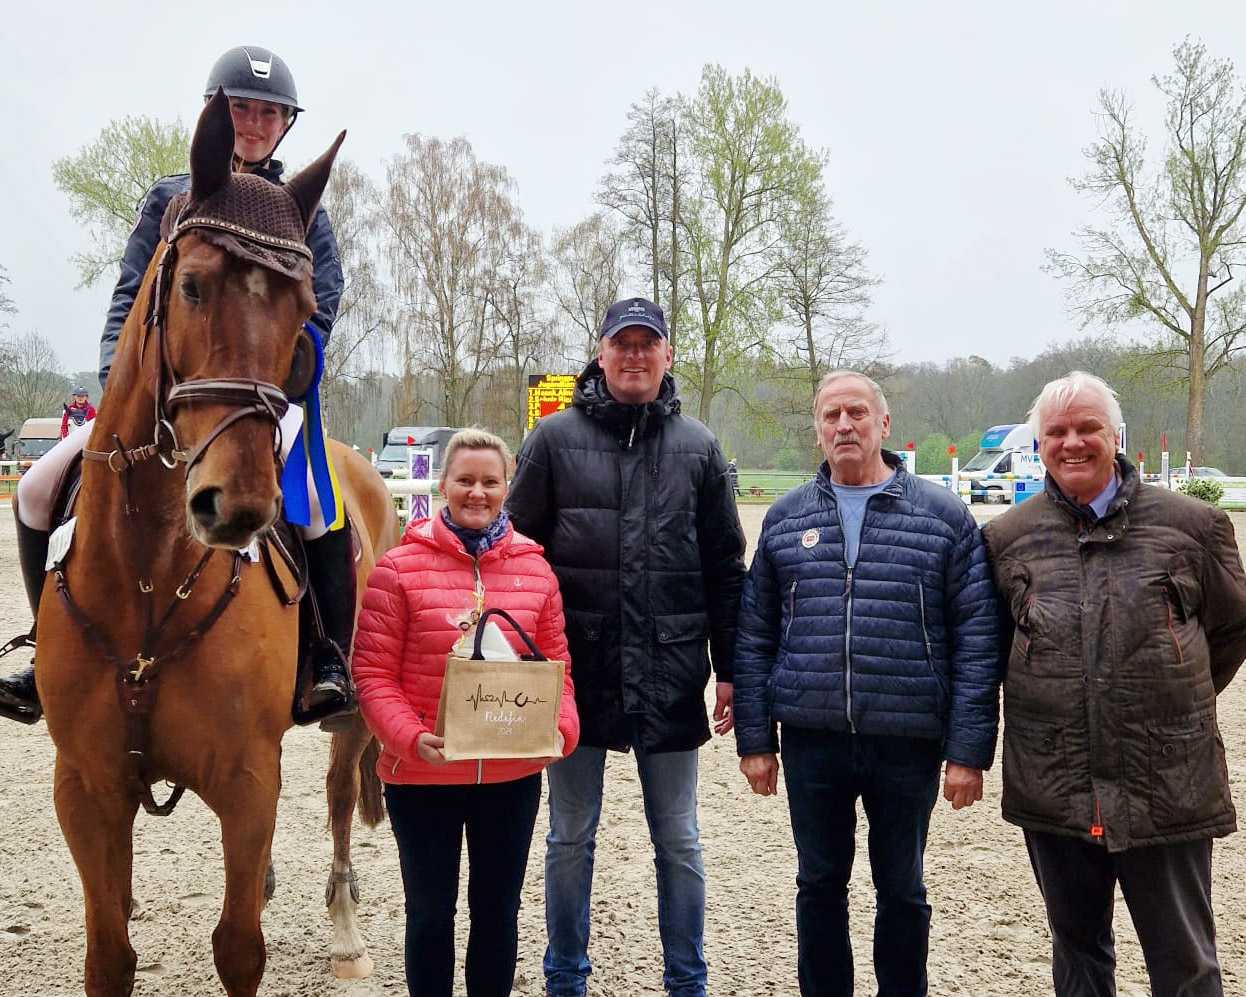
(205, 506)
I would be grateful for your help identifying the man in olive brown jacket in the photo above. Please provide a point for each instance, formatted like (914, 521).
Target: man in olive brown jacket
(1124, 613)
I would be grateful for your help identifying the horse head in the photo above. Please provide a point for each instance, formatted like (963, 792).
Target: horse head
(228, 307)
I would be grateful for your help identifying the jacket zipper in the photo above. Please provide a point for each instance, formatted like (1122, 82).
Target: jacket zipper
(921, 608)
(791, 612)
(848, 651)
(1172, 630)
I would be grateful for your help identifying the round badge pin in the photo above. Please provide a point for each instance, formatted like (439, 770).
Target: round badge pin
(810, 539)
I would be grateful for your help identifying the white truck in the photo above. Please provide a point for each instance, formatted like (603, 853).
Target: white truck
(1006, 468)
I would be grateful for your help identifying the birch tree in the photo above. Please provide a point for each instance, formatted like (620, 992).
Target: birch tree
(445, 218)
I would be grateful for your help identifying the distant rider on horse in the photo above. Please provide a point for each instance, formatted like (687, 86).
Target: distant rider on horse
(78, 411)
(264, 104)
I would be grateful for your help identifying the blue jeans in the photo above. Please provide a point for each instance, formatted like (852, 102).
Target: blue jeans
(668, 782)
(429, 824)
(897, 780)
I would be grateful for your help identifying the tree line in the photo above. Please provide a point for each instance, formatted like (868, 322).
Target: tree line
(712, 204)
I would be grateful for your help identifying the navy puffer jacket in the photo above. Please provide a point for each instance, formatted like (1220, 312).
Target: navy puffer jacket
(634, 509)
(327, 279)
(904, 644)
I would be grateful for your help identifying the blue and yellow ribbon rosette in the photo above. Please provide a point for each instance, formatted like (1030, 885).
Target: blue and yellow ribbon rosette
(311, 450)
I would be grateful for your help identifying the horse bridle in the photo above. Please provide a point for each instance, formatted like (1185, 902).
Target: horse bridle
(248, 396)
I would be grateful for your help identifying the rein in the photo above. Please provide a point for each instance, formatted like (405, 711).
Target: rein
(137, 678)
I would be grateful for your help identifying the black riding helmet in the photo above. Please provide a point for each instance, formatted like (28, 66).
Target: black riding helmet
(255, 73)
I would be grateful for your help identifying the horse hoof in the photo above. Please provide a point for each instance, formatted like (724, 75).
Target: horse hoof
(353, 969)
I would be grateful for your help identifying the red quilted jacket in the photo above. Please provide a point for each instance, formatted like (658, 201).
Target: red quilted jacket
(417, 596)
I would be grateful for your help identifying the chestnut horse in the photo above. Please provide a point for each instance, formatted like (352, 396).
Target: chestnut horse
(165, 652)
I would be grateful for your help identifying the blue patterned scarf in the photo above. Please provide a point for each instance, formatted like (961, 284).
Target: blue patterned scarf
(476, 542)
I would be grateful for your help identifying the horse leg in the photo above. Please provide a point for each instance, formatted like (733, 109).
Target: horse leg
(348, 952)
(98, 825)
(248, 813)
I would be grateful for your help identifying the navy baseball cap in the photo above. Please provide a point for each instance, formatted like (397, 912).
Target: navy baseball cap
(633, 311)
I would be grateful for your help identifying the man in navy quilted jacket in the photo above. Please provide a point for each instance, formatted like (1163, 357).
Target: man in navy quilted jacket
(868, 630)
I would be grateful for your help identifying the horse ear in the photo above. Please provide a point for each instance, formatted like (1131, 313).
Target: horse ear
(307, 187)
(212, 148)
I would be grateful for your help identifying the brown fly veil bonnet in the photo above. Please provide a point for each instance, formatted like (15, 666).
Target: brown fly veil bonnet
(249, 218)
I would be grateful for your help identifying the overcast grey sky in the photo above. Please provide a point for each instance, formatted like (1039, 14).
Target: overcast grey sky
(951, 127)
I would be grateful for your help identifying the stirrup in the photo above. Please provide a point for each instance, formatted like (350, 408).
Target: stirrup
(332, 696)
(23, 709)
(16, 709)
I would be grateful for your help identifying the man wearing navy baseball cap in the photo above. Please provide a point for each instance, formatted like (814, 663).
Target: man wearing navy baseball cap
(632, 501)
(633, 312)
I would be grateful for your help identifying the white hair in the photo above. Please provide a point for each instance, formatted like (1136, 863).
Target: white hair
(1058, 394)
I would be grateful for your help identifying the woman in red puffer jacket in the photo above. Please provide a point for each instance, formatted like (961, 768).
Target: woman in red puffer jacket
(420, 598)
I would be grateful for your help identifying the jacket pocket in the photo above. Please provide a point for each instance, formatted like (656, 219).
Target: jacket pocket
(584, 624)
(675, 628)
(682, 648)
(934, 667)
(1188, 777)
(1181, 592)
(1038, 781)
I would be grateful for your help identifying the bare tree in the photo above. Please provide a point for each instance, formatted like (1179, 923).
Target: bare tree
(447, 220)
(31, 381)
(1170, 257)
(515, 295)
(824, 285)
(359, 329)
(586, 272)
(107, 179)
(7, 307)
(644, 185)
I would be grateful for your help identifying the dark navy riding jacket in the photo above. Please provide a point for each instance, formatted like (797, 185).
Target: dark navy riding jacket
(902, 644)
(327, 279)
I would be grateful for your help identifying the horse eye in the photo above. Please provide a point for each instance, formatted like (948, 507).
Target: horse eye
(189, 288)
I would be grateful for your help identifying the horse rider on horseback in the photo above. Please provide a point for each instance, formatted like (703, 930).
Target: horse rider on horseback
(263, 104)
(78, 411)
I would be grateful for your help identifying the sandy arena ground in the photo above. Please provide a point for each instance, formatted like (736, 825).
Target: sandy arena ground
(989, 933)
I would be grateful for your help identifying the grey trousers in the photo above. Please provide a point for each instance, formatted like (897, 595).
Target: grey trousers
(1167, 889)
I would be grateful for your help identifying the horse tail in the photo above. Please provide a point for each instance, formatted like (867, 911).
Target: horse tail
(371, 802)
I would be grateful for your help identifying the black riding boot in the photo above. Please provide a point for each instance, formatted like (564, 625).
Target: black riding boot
(326, 624)
(19, 699)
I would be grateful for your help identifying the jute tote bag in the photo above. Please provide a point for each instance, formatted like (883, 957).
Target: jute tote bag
(500, 709)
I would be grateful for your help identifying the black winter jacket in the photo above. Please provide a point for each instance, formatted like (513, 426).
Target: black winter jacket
(903, 644)
(633, 506)
(1119, 633)
(327, 279)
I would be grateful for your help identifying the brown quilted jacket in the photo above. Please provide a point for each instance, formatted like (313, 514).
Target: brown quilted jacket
(1117, 634)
